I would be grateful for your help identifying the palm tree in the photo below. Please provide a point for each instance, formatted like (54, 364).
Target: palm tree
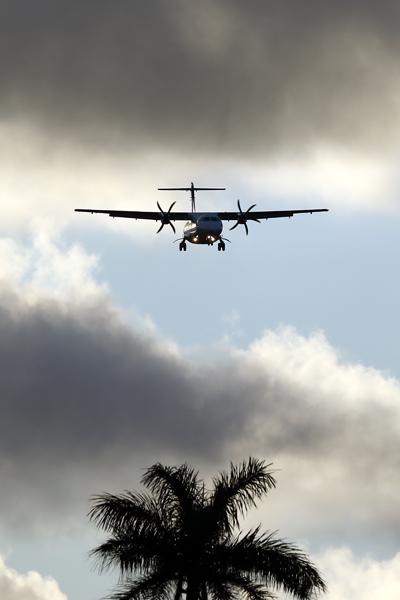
(182, 540)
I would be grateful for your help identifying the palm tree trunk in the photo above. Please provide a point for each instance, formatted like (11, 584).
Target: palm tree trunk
(203, 592)
(179, 589)
(193, 590)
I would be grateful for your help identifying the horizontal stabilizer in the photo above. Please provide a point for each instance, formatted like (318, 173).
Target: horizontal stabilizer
(187, 189)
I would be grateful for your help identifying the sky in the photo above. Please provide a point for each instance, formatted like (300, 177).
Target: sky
(119, 351)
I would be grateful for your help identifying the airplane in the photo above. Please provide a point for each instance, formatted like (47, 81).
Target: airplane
(201, 227)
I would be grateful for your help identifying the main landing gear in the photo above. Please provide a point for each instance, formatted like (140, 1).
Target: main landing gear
(221, 244)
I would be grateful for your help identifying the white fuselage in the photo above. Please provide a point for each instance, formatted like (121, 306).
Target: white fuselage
(203, 228)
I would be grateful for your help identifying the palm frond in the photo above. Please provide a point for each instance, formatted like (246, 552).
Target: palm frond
(236, 492)
(141, 532)
(133, 554)
(220, 589)
(153, 587)
(242, 585)
(177, 488)
(275, 563)
(123, 512)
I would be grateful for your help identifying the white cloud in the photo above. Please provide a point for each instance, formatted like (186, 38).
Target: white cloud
(313, 365)
(44, 267)
(333, 177)
(32, 586)
(351, 578)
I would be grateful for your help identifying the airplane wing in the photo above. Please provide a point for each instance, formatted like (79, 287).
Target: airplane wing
(256, 215)
(139, 214)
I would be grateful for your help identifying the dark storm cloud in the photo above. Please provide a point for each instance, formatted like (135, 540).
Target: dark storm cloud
(218, 76)
(80, 382)
(80, 390)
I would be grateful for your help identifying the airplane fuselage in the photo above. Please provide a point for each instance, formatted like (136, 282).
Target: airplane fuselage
(203, 229)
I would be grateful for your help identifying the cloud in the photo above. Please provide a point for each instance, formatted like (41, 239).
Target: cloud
(351, 578)
(32, 586)
(88, 402)
(254, 79)
(101, 105)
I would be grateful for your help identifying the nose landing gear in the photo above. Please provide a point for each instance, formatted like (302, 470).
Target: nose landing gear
(182, 246)
(221, 246)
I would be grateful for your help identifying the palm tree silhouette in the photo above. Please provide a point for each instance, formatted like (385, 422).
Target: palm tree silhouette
(182, 540)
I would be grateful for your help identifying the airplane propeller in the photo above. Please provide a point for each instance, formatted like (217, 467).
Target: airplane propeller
(244, 217)
(165, 217)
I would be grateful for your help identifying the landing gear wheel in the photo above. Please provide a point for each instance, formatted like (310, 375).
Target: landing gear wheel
(221, 246)
(182, 246)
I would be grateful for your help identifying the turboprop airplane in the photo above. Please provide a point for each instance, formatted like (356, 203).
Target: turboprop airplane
(202, 227)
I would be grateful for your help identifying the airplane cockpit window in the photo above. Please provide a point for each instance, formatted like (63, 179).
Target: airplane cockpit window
(206, 218)
(214, 219)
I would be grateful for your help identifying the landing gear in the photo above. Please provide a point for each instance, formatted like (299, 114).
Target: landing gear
(182, 246)
(221, 246)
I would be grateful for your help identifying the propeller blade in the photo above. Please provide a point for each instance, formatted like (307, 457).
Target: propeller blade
(169, 210)
(243, 217)
(165, 217)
